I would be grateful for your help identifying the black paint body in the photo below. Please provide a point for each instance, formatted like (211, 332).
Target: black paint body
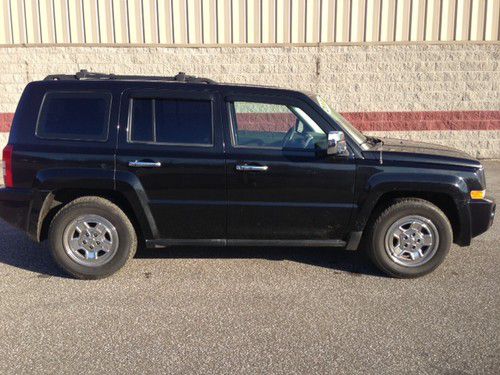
(198, 196)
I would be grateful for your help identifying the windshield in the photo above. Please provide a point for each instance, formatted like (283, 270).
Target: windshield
(355, 134)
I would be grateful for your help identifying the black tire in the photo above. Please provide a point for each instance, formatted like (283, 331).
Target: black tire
(399, 210)
(90, 205)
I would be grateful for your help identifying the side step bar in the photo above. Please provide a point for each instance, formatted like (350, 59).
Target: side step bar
(233, 242)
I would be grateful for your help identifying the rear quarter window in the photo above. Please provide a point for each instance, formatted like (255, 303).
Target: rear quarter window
(82, 116)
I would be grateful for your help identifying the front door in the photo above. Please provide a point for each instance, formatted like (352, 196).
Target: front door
(281, 183)
(172, 149)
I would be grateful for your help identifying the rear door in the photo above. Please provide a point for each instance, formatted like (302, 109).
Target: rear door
(172, 147)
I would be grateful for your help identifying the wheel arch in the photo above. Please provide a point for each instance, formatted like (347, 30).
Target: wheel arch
(447, 192)
(443, 201)
(57, 199)
(56, 187)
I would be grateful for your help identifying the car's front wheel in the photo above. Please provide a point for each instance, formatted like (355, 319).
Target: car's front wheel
(410, 238)
(91, 238)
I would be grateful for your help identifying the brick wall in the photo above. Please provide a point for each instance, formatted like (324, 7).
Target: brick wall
(443, 93)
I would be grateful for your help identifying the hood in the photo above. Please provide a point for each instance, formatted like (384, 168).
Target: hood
(398, 149)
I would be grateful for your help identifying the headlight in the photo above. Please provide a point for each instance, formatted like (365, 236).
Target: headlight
(482, 176)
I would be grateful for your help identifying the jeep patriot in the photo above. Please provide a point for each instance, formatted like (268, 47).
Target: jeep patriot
(98, 164)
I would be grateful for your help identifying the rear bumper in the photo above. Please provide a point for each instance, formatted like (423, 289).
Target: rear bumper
(15, 206)
(482, 214)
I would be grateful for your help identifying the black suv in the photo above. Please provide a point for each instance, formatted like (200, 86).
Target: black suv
(98, 164)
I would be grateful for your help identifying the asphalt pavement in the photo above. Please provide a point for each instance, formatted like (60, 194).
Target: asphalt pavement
(251, 310)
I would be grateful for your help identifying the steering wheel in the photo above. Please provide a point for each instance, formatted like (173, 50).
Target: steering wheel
(303, 141)
(288, 136)
(309, 139)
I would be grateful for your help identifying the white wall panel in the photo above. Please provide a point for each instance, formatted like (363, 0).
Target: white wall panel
(211, 22)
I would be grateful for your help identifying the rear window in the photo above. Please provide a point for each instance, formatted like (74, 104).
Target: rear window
(171, 121)
(75, 116)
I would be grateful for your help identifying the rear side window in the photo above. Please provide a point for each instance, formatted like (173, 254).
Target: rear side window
(75, 116)
(171, 121)
(142, 118)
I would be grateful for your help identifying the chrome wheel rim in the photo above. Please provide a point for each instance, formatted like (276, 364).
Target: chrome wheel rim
(90, 240)
(412, 241)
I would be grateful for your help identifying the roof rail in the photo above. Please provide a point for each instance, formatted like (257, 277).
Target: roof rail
(86, 75)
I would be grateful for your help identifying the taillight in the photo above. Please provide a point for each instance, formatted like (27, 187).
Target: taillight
(8, 179)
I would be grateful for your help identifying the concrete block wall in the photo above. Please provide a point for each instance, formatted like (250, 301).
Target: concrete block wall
(442, 93)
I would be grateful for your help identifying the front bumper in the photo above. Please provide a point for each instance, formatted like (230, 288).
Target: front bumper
(15, 206)
(482, 214)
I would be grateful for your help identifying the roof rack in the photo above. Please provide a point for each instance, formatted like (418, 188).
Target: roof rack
(86, 75)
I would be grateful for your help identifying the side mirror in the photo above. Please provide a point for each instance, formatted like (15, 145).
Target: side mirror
(337, 144)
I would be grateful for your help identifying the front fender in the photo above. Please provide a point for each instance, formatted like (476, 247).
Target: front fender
(384, 183)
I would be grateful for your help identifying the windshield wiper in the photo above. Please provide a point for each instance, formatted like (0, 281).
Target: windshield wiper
(372, 140)
(375, 140)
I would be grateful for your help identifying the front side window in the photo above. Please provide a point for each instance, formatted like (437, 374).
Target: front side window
(74, 116)
(275, 126)
(171, 121)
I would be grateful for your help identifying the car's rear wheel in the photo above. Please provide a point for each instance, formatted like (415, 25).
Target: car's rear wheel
(91, 238)
(410, 238)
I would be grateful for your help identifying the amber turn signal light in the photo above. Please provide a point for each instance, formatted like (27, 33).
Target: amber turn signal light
(477, 194)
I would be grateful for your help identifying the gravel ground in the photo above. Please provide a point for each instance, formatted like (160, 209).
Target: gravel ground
(240, 310)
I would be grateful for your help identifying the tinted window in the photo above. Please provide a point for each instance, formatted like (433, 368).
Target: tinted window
(74, 115)
(184, 121)
(142, 118)
(274, 126)
(175, 121)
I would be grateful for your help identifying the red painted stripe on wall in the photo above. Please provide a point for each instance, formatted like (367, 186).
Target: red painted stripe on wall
(280, 122)
(5, 121)
(421, 121)
(394, 121)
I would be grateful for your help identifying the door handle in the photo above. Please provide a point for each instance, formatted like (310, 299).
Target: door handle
(252, 168)
(144, 164)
